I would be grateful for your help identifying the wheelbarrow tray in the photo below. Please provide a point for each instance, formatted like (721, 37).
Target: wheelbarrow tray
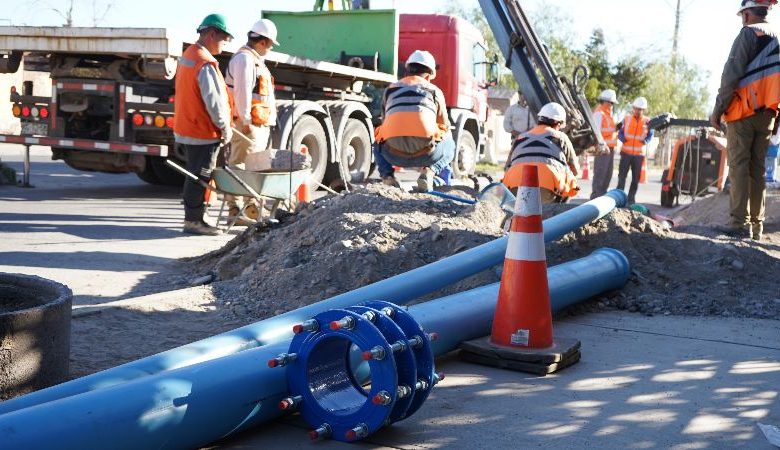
(269, 184)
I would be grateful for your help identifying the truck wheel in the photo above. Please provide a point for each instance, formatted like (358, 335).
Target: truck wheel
(309, 133)
(355, 157)
(165, 173)
(147, 175)
(465, 163)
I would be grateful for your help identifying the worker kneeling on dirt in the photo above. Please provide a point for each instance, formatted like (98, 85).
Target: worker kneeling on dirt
(415, 130)
(548, 148)
(254, 107)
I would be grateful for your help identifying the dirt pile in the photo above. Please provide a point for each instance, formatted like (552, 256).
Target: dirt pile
(342, 243)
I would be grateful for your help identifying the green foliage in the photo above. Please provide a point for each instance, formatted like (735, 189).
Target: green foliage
(682, 90)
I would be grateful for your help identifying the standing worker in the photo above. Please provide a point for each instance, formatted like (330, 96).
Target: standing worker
(635, 135)
(548, 148)
(748, 100)
(518, 118)
(202, 112)
(603, 165)
(415, 130)
(254, 106)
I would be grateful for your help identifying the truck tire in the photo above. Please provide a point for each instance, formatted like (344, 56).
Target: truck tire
(167, 175)
(309, 132)
(355, 152)
(147, 175)
(465, 162)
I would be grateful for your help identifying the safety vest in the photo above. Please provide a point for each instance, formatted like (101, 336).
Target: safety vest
(411, 111)
(192, 118)
(263, 101)
(538, 147)
(759, 88)
(635, 131)
(608, 129)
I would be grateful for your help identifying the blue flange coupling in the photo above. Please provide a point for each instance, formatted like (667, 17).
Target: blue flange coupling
(351, 371)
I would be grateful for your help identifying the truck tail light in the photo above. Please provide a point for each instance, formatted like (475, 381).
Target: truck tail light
(25, 111)
(169, 121)
(16, 110)
(138, 120)
(159, 121)
(44, 112)
(34, 111)
(148, 120)
(172, 99)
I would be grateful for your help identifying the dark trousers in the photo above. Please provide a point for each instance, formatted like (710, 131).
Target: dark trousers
(603, 166)
(201, 160)
(633, 162)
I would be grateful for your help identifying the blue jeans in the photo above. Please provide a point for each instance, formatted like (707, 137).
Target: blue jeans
(441, 156)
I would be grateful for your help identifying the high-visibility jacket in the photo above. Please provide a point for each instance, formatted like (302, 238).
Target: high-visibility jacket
(635, 132)
(759, 87)
(263, 107)
(541, 148)
(608, 128)
(192, 119)
(412, 110)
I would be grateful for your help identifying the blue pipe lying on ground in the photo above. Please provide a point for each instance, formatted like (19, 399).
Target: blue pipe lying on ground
(202, 403)
(398, 289)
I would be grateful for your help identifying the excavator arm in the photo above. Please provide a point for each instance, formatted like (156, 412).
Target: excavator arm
(539, 82)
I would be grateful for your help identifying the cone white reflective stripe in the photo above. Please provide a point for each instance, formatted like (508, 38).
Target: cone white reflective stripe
(529, 202)
(525, 246)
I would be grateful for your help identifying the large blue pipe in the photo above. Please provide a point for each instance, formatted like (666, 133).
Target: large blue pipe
(397, 289)
(198, 404)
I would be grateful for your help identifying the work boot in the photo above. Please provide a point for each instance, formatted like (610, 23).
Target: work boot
(735, 231)
(390, 181)
(425, 180)
(200, 227)
(241, 220)
(757, 231)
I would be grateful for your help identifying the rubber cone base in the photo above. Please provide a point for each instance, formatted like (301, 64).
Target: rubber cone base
(563, 353)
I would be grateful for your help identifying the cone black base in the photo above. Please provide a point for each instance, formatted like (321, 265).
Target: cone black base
(563, 353)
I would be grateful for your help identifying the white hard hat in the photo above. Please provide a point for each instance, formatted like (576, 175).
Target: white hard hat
(423, 58)
(553, 111)
(265, 28)
(608, 95)
(640, 103)
(747, 4)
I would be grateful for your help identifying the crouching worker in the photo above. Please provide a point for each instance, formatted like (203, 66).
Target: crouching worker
(415, 130)
(548, 148)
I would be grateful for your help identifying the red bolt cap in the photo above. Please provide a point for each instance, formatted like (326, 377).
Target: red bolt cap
(273, 363)
(335, 325)
(433, 337)
(297, 328)
(314, 435)
(351, 435)
(367, 356)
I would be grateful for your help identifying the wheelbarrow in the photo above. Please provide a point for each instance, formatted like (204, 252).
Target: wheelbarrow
(272, 185)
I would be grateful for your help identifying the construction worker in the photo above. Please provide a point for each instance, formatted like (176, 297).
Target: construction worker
(518, 118)
(748, 101)
(635, 135)
(604, 119)
(415, 130)
(254, 107)
(202, 112)
(548, 148)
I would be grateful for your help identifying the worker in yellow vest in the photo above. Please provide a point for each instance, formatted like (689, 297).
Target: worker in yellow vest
(550, 150)
(202, 122)
(604, 119)
(254, 106)
(415, 130)
(635, 134)
(748, 101)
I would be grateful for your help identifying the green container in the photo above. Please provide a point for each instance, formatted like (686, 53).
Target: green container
(323, 35)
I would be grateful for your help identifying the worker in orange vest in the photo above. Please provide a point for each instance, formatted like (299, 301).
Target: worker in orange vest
(635, 134)
(415, 130)
(604, 119)
(251, 87)
(202, 111)
(748, 101)
(550, 150)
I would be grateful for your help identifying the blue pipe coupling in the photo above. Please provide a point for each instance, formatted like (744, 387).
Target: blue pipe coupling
(324, 379)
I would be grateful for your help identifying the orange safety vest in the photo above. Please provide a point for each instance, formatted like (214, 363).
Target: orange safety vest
(538, 147)
(634, 131)
(759, 88)
(192, 118)
(260, 110)
(608, 128)
(411, 111)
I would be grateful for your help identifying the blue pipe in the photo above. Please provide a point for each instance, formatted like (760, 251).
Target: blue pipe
(192, 406)
(456, 198)
(398, 289)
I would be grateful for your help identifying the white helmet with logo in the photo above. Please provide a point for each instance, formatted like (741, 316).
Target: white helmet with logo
(608, 95)
(423, 58)
(265, 28)
(553, 111)
(640, 103)
(747, 4)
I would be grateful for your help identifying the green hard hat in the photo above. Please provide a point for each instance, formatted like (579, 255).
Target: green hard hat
(215, 21)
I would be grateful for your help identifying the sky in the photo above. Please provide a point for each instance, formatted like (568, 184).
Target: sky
(708, 27)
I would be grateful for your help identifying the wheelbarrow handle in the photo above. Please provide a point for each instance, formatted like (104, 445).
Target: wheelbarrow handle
(190, 175)
(243, 184)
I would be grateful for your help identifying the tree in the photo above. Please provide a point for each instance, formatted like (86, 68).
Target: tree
(677, 87)
(67, 9)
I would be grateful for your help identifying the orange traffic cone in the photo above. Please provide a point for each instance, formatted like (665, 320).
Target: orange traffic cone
(585, 167)
(304, 194)
(643, 172)
(208, 192)
(522, 333)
